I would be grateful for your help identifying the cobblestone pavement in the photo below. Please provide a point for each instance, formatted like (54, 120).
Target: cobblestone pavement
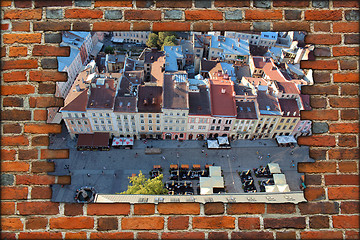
(108, 171)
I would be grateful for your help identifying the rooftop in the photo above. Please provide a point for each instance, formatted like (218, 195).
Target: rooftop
(175, 91)
(230, 45)
(172, 54)
(288, 87)
(207, 65)
(246, 110)
(125, 104)
(268, 104)
(149, 98)
(102, 94)
(222, 98)
(199, 102)
(289, 107)
(153, 56)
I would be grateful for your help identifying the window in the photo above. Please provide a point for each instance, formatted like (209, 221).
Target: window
(150, 116)
(142, 128)
(199, 127)
(103, 127)
(100, 114)
(278, 128)
(192, 120)
(108, 115)
(158, 128)
(83, 114)
(95, 121)
(157, 116)
(79, 122)
(192, 127)
(170, 128)
(150, 128)
(85, 122)
(294, 120)
(72, 122)
(166, 121)
(212, 128)
(141, 115)
(157, 121)
(76, 115)
(171, 121)
(150, 121)
(217, 128)
(282, 120)
(109, 122)
(178, 114)
(214, 120)
(142, 121)
(290, 127)
(102, 121)
(226, 128)
(110, 128)
(219, 121)
(288, 120)
(183, 121)
(284, 127)
(69, 114)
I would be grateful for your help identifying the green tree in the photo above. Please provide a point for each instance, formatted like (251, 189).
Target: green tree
(152, 41)
(141, 185)
(109, 49)
(170, 41)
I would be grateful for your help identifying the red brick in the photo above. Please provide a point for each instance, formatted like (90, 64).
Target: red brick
(214, 208)
(11, 224)
(12, 193)
(42, 166)
(7, 208)
(16, 115)
(318, 102)
(314, 193)
(347, 141)
(34, 179)
(179, 208)
(182, 235)
(252, 235)
(319, 207)
(340, 154)
(58, 153)
(317, 167)
(178, 223)
(282, 208)
(83, 13)
(174, 4)
(52, 3)
(7, 154)
(121, 3)
(245, 208)
(142, 15)
(296, 3)
(286, 235)
(13, 102)
(343, 193)
(12, 128)
(349, 207)
(111, 26)
(40, 141)
(263, 14)
(276, 223)
(14, 141)
(344, 127)
(345, 51)
(17, 89)
(345, 27)
(321, 235)
(72, 223)
(321, 27)
(249, 223)
(346, 77)
(349, 114)
(26, 154)
(40, 235)
(218, 235)
(40, 193)
(28, 14)
(350, 90)
(36, 223)
(349, 102)
(42, 128)
(19, 64)
(17, 51)
(351, 234)
(313, 90)
(214, 222)
(171, 26)
(314, 179)
(40, 115)
(51, 26)
(112, 235)
(147, 235)
(319, 141)
(22, 38)
(45, 102)
(17, 76)
(320, 64)
(106, 224)
(291, 26)
(142, 223)
(144, 209)
(231, 26)
(14, 166)
(73, 209)
(347, 166)
(319, 222)
(201, 26)
(346, 222)
(20, 26)
(5, 3)
(4, 26)
(321, 77)
(349, 3)
(75, 235)
(321, 15)
(108, 209)
(48, 87)
(43, 50)
(65, 180)
(141, 26)
(38, 208)
(203, 15)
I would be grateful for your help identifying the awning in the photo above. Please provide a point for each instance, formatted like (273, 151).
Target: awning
(283, 187)
(95, 51)
(274, 168)
(223, 140)
(285, 139)
(129, 141)
(117, 40)
(93, 140)
(212, 144)
(117, 141)
(271, 188)
(85, 140)
(279, 179)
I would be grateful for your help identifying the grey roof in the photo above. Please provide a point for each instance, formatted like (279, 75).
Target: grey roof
(175, 93)
(199, 102)
(246, 110)
(149, 98)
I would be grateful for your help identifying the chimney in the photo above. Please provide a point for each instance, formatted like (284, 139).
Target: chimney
(106, 85)
(288, 113)
(93, 85)
(128, 105)
(223, 90)
(78, 88)
(120, 104)
(294, 114)
(153, 101)
(232, 46)
(145, 102)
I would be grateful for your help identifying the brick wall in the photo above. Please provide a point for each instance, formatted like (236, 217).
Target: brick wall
(30, 38)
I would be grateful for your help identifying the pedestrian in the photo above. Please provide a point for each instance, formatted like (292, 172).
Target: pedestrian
(257, 152)
(102, 172)
(88, 175)
(227, 155)
(292, 153)
(268, 155)
(114, 174)
(136, 155)
(205, 154)
(202, 151)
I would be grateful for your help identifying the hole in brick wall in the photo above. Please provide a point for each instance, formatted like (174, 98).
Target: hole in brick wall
(215, 115)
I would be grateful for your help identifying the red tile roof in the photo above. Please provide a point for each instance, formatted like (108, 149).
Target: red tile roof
(222, 98)
(288, 87)
(289, 107)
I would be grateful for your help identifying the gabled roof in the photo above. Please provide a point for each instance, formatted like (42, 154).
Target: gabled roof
(222, 98)
(175, 93)
(289, 107)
